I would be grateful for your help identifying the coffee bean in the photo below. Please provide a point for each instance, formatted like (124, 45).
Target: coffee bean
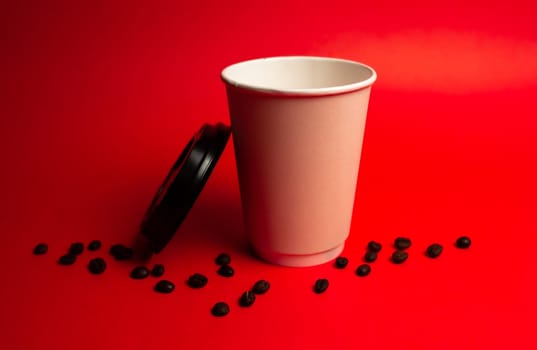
(399, 256)
(220, 309)
(222, 259)
(94, 245)
(164, 286)
(226, 271)
(247, 299)
(97, 266)
(363, 270)
(370, 256)
(261, 287)
(197, 280)
(127, 254)
(374, 246)
(321, 285)
(121, 252)
(67, 259)
(402, 243)
(434, 250)
(117, 248)
(463, 242)
(41, 249)
(158, 270)
(76, 248)
(341, 262)
(139, 272)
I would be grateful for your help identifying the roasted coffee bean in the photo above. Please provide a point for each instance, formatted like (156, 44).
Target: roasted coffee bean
(126, 255)
(402, 243)
(222, 259)
(97, 266)
(434, 250)
(463, 242)
(164, 286)
(261, 287)
(41, 249)
(116, 249)
(373, 246)
(197, 280)
(67, 259)
(370, 256)
(363, 270)
(94, 245)
(121, 252)
(247, 299)
(399, 256)
(158, 270)
(76, 248)
(321, 285)
(226, 271)
(220, 309)
(341, 262)
(139, 272)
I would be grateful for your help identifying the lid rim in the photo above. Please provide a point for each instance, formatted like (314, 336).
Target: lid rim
(183, 184)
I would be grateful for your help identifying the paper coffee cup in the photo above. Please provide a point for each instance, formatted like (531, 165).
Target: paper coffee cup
(298, 124)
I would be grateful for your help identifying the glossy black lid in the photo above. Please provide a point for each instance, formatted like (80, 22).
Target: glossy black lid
(183, 184)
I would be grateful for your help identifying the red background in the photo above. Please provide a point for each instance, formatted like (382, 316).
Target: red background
(98, 98)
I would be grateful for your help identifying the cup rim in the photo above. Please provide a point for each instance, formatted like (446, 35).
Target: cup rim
(331, 90)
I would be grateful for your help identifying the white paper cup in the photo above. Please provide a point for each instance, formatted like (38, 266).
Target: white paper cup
(297, 125)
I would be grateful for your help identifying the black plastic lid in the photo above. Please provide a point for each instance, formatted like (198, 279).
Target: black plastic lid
(183, 184)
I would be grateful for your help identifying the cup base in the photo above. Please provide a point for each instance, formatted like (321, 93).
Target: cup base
(300, 260)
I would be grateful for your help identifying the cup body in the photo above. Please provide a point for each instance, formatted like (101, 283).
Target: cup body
(298, 125)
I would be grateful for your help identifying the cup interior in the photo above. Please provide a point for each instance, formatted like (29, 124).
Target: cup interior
(300, 75)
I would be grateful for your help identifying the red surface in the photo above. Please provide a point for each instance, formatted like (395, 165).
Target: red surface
(101, 97)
